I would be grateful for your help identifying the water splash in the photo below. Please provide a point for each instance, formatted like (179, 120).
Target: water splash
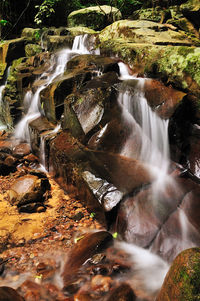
(148, 270)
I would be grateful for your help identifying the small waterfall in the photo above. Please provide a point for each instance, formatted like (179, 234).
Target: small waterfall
(83, 44)
(153, 147)
(57, 68)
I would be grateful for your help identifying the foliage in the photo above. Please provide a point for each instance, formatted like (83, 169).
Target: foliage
(46, 9)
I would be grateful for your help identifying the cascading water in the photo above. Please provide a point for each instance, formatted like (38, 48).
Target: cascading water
(57, 68)
(154, 143)
(153, 149)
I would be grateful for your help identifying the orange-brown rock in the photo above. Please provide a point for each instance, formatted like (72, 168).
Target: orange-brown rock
(86, 247)
(162, 98)
(123, 293)
(9, 294)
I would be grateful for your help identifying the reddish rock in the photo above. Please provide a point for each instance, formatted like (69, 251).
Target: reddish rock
(162, 98)
(32, 291)
(6, 146)
(123, 293)
(85, 248)
(9, 294)
(21, 150)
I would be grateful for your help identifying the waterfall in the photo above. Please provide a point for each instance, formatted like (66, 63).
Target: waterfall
(153, 146)
(57, 68)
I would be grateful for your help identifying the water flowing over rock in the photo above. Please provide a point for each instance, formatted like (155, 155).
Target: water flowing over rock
(123, 148)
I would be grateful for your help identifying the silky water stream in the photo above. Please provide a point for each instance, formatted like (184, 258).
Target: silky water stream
(148, 270)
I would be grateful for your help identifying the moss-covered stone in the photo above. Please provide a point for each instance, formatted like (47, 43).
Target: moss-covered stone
(32, 49)
(95, 17)
(191, 5)
(183, 279)
(32, 34)
(156, 14)
(143, 32)
(2, 69)
(179, 65)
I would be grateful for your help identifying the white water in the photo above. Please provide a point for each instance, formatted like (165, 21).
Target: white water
(148, 270)
(154, 144)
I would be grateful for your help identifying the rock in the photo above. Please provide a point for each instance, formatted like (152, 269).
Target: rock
(9, 294)
(28, 189)
(143, 32)
(45, 291)
(11, 50)
(156, 14)
(31, 34)
(123, 293)
(32, 49)
(38, 128)
(21, 150)
(101, 283)
(95, 17)
(106, 193)
(86, 247)
(2, 69)
(164, 100)
(147, 219)
(124, 173)
(182, 280)
(172, 64)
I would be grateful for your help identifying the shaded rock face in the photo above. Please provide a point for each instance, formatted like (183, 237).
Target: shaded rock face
(182, 280)
(87, 247)
(162, 221)
(96, 17)
(9, 294)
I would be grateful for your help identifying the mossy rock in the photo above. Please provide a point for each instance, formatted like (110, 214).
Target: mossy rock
(179, 65)
(2, 70)
(32, 34)
(79, 30)
(191, 5)
(156, 14)
(183, 279)
(32, 49)
(95, 17)
(142, 31)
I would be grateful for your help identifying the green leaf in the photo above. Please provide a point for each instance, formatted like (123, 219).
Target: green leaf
(115, 235)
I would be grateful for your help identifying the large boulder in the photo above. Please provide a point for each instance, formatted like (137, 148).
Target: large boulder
(95, 17)
(143, 32)
(182, 280)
